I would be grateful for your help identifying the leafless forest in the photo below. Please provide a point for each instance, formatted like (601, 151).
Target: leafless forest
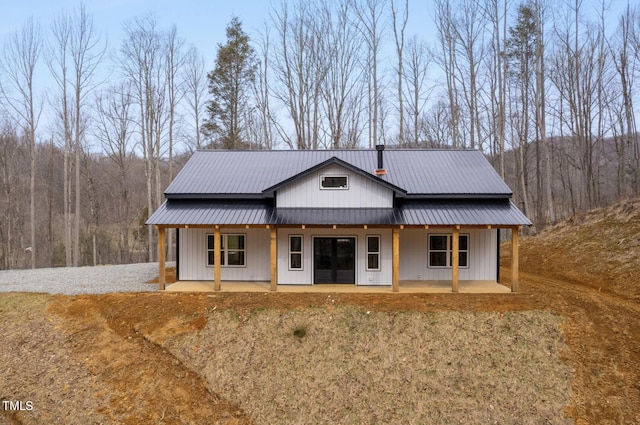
(545, 89)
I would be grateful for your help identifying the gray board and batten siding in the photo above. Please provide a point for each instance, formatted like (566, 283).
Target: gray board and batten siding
(413, 260)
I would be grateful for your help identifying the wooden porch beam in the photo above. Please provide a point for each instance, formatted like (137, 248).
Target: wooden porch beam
(274, 260)
(162, 279)
(395, 284)
(515, 262)
(216, 258)
(455, 247)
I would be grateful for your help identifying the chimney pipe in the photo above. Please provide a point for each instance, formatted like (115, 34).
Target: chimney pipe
(380, 170)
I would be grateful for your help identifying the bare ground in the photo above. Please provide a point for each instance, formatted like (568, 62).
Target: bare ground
(100, 359)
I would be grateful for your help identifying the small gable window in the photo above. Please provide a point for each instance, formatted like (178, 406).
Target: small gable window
(334, 182)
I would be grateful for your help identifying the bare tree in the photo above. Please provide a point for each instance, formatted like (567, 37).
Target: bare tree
(300, 71)
(195, 88)
(174, 60)
(370, 22)
(74, 55)
(20, 56)
(446, 58)
(578, 71)
(86, 55)
(58, 59)
(141, 66)
(263, 122)
(114, 130)
(399, 29)
(415, 75)
(435, 126)
(623, 58)
(496, 11)
(634, 19)
(541, 116)
(341, 89)
(10, 184)
(469, 32)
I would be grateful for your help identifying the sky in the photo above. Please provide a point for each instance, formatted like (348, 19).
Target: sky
(201, 23)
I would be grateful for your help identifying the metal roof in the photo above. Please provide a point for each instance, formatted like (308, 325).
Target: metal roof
(463, 212)
(434, 213)
(421, 173)
(211, 213)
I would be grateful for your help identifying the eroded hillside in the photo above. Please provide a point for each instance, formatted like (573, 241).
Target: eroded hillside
(599, 248)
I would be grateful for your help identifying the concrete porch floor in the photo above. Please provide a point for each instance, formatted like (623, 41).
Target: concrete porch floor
(406, 287)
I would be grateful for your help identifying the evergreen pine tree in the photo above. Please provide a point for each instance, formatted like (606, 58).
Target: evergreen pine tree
(229, 86)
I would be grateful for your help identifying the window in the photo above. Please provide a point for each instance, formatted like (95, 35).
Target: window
(232, 250)
(334, 182)
(441, 250)
(373, 252)
(210, 251)
(295, 252)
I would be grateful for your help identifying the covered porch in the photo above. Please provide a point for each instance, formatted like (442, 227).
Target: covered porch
(455, 284)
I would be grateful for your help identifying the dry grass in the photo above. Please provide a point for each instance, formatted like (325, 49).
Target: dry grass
(599, 248)
(347, 365)
(35, 358)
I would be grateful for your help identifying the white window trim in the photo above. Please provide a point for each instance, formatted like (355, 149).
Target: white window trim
(322, 176)
(224, 252)
(449, 250)
(378, 253)
(301, 252)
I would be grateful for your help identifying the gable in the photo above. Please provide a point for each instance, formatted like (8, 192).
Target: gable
(334, 186)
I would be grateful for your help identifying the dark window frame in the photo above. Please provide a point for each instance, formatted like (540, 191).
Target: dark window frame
(296, 253)
(373, 254)
(463, 254)
(225, 251)
(332, 180)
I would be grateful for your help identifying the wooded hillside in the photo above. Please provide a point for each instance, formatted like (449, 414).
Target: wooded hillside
(546, 90)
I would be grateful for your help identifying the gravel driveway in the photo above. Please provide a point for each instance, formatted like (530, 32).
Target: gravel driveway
(81, 280)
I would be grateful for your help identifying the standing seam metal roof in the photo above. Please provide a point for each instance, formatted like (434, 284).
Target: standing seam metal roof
(448, 213)
(219, 173)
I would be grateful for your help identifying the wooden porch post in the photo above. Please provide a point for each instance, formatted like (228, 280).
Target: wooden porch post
(455, 247)
(216, 258)
(395, 286)
(274, 259)
(514, 258)
(161, 258)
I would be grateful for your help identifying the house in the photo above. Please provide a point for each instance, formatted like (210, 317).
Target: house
(363, 217)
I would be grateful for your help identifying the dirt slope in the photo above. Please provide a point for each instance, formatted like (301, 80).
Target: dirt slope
(589, 268)
(599, 248)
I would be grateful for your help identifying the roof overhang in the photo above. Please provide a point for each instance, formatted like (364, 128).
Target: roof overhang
(495, 213)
